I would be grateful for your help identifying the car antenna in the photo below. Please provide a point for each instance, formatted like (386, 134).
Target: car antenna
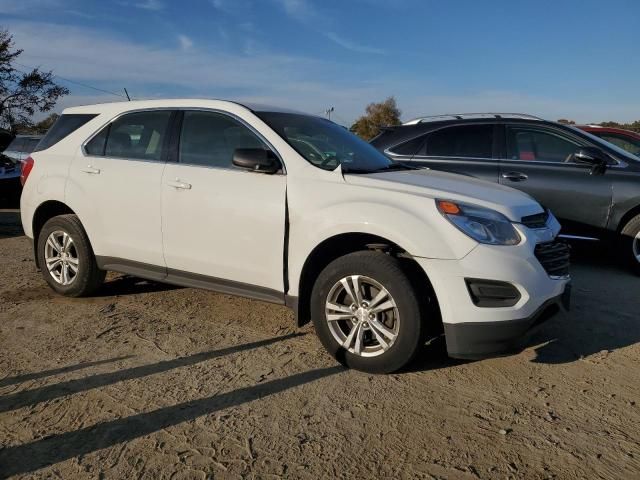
(127, 94)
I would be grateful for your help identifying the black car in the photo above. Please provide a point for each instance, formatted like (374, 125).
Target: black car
(591, 185)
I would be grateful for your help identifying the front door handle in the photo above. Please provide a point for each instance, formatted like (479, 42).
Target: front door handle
(515, 176)
(89, 169)
(180, 184)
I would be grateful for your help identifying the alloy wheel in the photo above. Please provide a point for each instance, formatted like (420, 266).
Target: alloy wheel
(362, 316)
(61, 257)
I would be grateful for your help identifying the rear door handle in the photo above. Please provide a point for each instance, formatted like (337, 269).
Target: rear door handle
(515, 176)
(89, 169)
(180, 184)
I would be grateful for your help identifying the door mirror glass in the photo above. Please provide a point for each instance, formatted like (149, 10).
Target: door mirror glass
(591, 156)
(256, 160)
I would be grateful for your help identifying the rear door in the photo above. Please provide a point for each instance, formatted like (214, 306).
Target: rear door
(115, 185)
(463, 149)
(538, 162)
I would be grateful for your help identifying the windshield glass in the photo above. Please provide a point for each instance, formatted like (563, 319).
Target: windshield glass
(326, 144)
(616, 149)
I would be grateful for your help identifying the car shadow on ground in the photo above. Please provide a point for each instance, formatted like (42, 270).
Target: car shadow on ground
(604, 316)
(10, 223)
(22, 459)
(130, 285)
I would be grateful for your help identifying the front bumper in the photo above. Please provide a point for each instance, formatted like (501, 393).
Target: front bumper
(476, 340)
(475, 331)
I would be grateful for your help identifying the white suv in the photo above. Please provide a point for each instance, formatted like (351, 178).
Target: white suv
(293, 209)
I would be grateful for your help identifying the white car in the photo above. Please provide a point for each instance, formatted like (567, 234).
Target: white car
(293, 209)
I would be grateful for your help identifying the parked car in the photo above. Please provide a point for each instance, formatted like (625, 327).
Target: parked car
(9, 181)
(21, 146)
(293, 209)
(592, 186)
(625, 139)
(6, 137)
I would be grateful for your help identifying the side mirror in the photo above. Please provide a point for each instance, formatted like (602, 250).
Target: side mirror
(592, 156)
(256, 160)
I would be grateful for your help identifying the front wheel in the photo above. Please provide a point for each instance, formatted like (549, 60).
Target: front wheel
(366, 313)
(66, 257)
(631, 243)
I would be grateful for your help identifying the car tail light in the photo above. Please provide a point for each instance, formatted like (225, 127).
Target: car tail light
(27, 166)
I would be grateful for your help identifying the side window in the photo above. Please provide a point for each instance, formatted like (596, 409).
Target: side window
(628, 144)
(209, 139)
(410, 147)
(17, 145)
(539, 145)
(470, 141)
(96, 145)
(31, 145)
(138, 135)
(65, 125)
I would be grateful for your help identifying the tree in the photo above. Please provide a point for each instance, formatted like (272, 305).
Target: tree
(40, 127)
(377, 116)
(23, 93)
(566, 122)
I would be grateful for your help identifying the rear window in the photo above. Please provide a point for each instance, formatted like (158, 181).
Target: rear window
(65, 125)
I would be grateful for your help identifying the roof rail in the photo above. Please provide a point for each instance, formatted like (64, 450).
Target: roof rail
(463, 116)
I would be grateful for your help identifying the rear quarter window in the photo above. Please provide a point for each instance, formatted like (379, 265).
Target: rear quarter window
(65, 125)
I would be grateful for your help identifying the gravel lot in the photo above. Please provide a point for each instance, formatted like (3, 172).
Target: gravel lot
(151, 381)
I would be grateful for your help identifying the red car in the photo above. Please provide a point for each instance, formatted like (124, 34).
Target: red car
(625, 139)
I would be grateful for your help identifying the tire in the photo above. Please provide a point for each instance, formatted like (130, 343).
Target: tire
(630, 248)
(373, 270)
(78, 254)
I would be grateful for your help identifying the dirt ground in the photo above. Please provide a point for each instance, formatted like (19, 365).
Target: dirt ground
(150, 381)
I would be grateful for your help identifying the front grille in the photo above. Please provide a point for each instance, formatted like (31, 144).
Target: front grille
(554, 258)
(539, 220)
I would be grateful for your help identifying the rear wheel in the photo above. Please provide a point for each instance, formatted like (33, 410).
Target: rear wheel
(66, 257)
(366, 313)
(631, 243)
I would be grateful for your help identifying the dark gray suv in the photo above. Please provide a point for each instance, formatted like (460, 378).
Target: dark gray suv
(591, 185)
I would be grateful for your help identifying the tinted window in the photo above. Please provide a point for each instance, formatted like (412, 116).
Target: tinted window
(31, 144)
(96, 145)
(626, 143)
(539, 145)
(210, 139)
(325, 144)
(136, 135)
(472, 141)
(16, 145)
(65, 125)
(409, 147)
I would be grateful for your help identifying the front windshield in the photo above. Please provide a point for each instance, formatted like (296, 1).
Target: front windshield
(326, 144)
(599, 141)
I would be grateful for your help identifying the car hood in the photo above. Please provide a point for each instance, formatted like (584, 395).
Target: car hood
(448, 186)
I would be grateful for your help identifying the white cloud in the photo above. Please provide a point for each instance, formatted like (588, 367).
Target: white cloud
(185, 42)
(353, 46)
(300, 10)
(233, 7)
(154, 5)
(26, 6)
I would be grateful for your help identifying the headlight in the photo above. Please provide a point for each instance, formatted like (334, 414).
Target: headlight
(481, 224)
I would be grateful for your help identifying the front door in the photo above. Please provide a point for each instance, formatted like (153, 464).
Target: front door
(538, 162)
(221, 223)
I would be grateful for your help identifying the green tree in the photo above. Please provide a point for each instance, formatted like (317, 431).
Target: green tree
(566, 122)
(23, 93)
(377, 116)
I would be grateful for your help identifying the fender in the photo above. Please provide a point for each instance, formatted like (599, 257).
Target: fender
(419, 235)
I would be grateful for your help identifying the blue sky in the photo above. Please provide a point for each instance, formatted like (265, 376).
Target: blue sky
(563, 58)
